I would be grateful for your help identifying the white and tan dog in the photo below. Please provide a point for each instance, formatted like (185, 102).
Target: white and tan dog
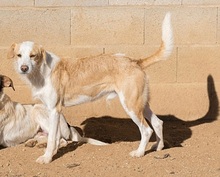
(59, 82)
(30, 123)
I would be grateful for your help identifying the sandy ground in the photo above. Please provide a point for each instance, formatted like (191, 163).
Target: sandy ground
(193, 149)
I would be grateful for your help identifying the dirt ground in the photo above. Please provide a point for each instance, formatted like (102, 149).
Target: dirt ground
(193, 149)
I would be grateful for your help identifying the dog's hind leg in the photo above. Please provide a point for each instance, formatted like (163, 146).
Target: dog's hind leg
(132, 99)
(146, 133)
(157, 125)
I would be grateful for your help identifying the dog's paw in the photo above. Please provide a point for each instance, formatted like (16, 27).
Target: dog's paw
(30, 143)
(63, 143)
(43, 160)
(136, 153)
(41, 145)
(157, 147)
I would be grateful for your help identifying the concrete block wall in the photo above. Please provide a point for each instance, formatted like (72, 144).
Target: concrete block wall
(75, 28)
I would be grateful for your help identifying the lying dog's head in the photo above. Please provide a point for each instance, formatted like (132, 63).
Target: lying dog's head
(5, 82)
(28, 56)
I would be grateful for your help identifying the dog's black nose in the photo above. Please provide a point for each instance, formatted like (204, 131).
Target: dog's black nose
(24, 68)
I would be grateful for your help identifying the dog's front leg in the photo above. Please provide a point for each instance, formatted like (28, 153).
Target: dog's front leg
(53, 138)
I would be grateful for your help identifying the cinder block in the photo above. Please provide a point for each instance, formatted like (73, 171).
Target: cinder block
(106, 26)
(191, 25)
(75, 52)
(164, 71)
(15, 3)
(71, 3)
(144, 2)
(195, 63)
(200, 2)
(46, 26)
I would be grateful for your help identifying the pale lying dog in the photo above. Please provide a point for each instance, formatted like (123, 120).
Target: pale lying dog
(58, 82)
(19, 123)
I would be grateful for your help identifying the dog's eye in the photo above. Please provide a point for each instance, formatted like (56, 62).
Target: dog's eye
(19, 55)
(32, 56)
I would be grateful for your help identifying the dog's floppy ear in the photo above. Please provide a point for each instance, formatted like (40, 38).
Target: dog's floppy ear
(46, 60)
(43, 53)
(7, 82)
(39, 50)
(11, 51)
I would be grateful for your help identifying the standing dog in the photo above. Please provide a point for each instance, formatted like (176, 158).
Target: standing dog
(58, 82)
(19, 123)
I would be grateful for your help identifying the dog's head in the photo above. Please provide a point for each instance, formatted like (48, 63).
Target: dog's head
(28, 55)
(5, 82)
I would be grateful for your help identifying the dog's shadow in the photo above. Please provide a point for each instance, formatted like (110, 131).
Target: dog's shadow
(176, 131)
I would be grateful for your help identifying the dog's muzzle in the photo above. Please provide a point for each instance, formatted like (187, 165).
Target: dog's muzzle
(24, 68)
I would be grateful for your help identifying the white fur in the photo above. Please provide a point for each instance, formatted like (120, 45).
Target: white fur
(167, 34)
(111, 96)
(79, 100)
(84, 98)
(24, 51)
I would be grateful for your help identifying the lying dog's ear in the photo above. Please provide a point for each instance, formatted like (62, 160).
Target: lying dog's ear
(11, 51)
(7, 82)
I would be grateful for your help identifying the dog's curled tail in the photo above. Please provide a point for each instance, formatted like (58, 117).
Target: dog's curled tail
(165, 47)
(75, 136)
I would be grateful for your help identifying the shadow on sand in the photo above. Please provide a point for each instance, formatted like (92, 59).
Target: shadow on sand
(176, 131)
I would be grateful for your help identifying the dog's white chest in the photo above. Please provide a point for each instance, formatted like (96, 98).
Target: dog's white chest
(46, 94)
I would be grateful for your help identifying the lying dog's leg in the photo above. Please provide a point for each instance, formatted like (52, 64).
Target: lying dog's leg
(42, 142)
(39, 140)
(31, 142)
(157, 125)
